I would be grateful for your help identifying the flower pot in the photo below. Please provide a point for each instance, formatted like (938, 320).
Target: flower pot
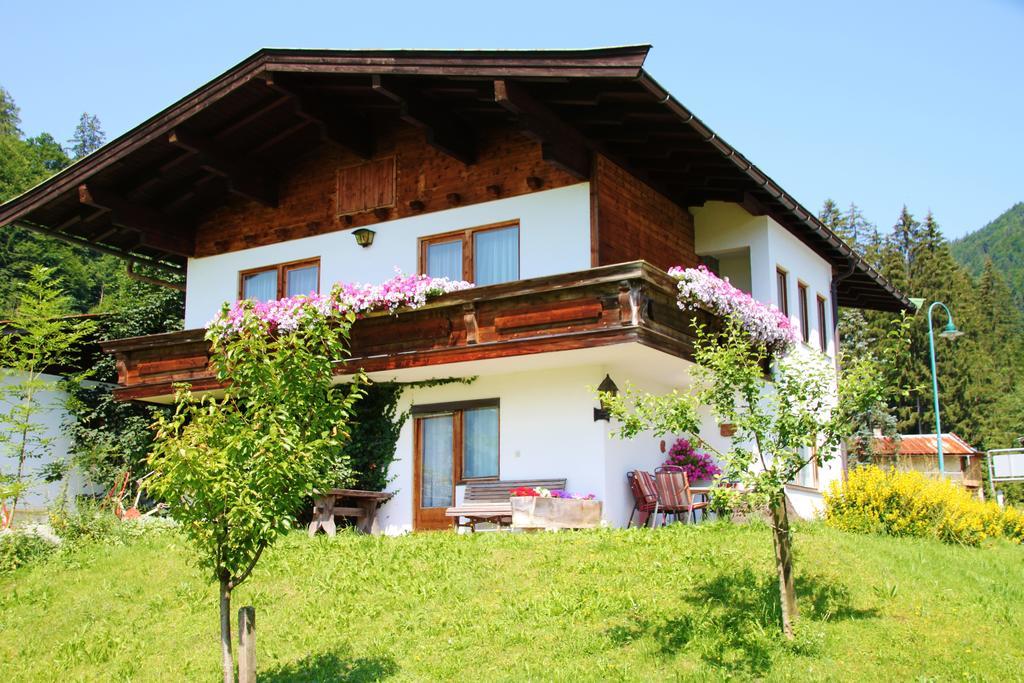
(534, 512)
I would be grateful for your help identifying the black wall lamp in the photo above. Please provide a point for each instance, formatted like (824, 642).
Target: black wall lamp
(606, 386)
(364, 237)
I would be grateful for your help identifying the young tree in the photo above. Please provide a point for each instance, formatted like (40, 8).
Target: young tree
(88, 137)
(39, 338)
(236, 469)
(797, 417)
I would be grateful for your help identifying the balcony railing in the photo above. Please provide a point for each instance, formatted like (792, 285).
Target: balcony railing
(622, 303)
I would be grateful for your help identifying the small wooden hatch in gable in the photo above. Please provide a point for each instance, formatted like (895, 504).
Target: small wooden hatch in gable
(366, 186)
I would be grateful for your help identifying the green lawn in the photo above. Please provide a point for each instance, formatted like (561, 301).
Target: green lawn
(680, 603)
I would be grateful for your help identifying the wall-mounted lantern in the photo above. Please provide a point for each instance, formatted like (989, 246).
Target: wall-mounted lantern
(364, 237)
(606, 386)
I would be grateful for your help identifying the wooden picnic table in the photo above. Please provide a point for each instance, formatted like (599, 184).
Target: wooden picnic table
(333, 503)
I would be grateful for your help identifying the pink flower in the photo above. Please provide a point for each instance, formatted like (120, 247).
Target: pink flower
(289, 314)
(699, 287)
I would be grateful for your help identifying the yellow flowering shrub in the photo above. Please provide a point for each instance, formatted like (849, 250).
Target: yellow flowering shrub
(909, 504)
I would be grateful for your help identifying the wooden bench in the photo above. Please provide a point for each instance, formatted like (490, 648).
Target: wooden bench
(488, 501)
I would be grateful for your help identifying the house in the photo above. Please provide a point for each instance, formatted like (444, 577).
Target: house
(562, 182)
(919, 453)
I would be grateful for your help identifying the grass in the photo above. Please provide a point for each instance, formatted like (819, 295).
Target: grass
(683, 603)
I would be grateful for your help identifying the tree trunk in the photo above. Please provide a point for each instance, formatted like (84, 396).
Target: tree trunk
(227, 661)
(784, 565)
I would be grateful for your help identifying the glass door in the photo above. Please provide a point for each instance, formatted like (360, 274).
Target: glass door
(434, 470)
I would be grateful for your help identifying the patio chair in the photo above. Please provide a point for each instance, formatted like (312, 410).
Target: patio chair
(674, 497)
(645, 497)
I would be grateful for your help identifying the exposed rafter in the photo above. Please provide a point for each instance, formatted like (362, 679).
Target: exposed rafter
(243, 179)
(561, 145)
(156, 230)
(352, 131)
(445, 131)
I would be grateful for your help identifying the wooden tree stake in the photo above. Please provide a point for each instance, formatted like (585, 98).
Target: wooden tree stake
(247, 645)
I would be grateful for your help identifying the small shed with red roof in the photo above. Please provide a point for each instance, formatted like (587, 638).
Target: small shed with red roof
(919, 452)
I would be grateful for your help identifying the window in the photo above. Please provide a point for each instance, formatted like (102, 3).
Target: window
(457, 442)
(276, 282)
(783, 287)
(805, 316)
(484, 256)
(822, 325)
(808, 474)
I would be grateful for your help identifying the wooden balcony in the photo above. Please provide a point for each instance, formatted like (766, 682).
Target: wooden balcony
(622, 303)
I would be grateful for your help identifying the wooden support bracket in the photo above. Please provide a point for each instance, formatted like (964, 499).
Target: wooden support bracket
(243, 179)
(561, 145)
(446, 131)
(352, 131)
(156, 230)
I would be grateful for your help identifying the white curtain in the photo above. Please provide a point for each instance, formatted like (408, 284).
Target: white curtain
(260, 286)
(480, 443)
(302, 280)
(444, 259)
(496, 256)
(436, 469)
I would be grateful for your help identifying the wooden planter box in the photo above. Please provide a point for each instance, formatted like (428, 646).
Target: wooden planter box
(534, 512)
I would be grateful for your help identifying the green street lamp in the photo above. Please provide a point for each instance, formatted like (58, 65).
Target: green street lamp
(949, 332)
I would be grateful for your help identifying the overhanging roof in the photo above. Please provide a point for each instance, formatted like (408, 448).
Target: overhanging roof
(141, 195)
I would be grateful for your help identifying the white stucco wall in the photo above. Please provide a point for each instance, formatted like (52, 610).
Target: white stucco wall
(721, 229)
(546, 430)
(53, 416)
(802, 264)
(554, 237)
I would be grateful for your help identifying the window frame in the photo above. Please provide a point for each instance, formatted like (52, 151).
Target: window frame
(466, 237)
(782, 287)
(822, 323)
(803, 302)
(457, 410)
(282, 269)
(815, 481)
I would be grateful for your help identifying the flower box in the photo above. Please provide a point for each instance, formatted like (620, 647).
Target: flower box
(536, 512)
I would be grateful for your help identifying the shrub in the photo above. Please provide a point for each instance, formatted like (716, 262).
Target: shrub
(910, 504)
(83, 524)
(18, 549)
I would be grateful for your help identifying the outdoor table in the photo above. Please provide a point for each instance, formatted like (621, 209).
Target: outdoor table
(362, 505)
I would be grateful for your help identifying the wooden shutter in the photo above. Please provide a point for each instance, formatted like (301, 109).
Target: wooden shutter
(366, 186)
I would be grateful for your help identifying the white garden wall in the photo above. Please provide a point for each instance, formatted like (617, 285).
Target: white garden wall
(53, 417)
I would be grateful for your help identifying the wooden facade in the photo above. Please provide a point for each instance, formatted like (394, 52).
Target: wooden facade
(624, 303)
(315, 195)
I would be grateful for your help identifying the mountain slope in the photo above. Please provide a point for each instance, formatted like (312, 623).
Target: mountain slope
(1002, 240)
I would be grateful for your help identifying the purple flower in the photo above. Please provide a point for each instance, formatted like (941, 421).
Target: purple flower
(698, 466)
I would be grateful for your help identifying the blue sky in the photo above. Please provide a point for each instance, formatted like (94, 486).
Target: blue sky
(879, 103)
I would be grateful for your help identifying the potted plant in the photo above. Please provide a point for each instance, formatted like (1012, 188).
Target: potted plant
(700, 468)
(540, 508)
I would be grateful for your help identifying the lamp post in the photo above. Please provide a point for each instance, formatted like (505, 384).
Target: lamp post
(949, 332)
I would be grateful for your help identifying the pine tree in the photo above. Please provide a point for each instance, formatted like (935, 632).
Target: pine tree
(88, 137)
(10, 117)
